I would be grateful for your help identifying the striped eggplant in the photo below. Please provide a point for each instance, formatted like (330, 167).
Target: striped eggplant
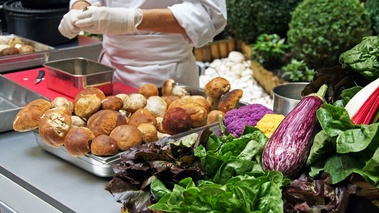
(288, 148)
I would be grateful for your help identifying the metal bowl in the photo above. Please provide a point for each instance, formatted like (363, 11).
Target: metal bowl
(72, 75)
(287, 96)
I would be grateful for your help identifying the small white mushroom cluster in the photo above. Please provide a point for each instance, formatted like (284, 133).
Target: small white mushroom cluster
(238, 72)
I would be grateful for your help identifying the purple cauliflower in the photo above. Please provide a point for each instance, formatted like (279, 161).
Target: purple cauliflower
(235, 120)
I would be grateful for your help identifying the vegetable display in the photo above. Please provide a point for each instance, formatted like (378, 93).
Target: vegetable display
(288, 148)
(318, 158)
(234, 182)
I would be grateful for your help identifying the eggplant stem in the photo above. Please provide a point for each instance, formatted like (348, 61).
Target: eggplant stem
(321, 92)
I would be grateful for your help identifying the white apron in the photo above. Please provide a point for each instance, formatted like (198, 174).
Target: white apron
(150, 59)
(147, 57)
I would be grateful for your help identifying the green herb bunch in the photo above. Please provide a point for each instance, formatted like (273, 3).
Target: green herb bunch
(320, 30)
(297, 71)
(248, 19)
(269, 49)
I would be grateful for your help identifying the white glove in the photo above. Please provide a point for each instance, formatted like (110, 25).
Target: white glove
(67, 27)
(105, 20)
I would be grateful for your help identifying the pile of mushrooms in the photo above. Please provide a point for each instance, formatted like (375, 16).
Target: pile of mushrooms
(14, 46)
(238, 72)
(105, 125)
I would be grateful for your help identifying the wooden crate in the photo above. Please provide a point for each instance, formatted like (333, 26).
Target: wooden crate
(215, 50)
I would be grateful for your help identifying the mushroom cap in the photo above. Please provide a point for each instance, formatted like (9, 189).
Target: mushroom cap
(62, 102)
(136, 101)
(77, 121)
(149, 132)
(169, 99)
(148, 90)
(230, 100)
(167, 87)
(26, 48)
(126, 136)
(216, 87)
(28, 117)
(103, 145)
(198, 114)
(180, 102)
(156, 105)
(142, 116)
(55, 123)
(125, 100)
(104, 121)
(176, 120)
(112, 102)
(87, 105)
(77, 141)
(202, 101)
(90, 90)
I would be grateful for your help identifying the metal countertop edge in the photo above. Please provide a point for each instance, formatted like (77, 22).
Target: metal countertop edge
(45, 197)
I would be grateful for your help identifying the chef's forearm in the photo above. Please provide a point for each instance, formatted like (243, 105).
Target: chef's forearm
(160, 20)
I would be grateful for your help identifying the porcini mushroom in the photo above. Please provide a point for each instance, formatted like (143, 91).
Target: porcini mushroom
(148, 90)
(136, 101)
(230, 100)
(77, 141)
(214, 89)
(149, 132)
(169, 87)
(126, 136)
(156, 105)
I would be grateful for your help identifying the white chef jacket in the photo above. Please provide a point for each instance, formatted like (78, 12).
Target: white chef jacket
(149, 57)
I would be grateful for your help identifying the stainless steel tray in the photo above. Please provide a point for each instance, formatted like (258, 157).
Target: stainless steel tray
(102, 166)
(75, 74)
(27, 60)
(13, 97)
(97, 165)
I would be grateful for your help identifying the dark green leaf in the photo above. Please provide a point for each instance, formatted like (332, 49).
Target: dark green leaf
(340, 167)
(356, 140)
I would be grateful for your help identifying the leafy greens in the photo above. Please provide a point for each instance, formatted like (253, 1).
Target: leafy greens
(235, 180)
(342, 148)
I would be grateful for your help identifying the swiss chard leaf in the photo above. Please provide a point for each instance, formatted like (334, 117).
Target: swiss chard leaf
(348, 93)
(356, 140)
(333, 120)
(322, 145)
(371, 169)
(340, 167)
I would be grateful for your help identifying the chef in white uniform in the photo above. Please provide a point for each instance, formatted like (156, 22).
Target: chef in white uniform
(148, 41)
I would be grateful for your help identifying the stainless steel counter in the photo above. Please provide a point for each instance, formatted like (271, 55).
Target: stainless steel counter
(33, 180)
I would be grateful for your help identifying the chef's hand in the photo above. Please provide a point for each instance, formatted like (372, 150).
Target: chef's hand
(105, 20)
(67, 27)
